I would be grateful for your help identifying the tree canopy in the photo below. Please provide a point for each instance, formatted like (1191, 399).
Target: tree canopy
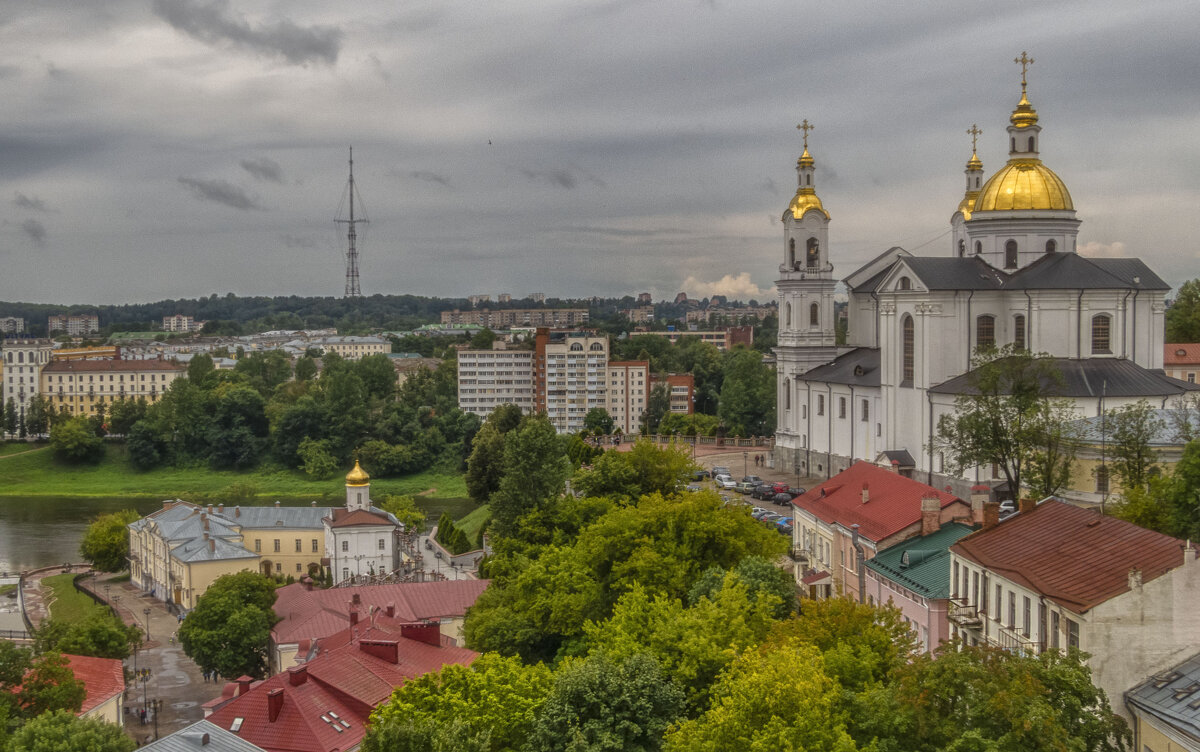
(230, 626)
(62, 731)
(106, 542)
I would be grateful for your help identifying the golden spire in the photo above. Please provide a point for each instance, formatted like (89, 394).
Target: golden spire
(806, 159)
(357, 476)
(974, 162)
(1024, 116)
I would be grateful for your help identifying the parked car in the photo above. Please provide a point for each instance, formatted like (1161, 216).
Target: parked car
(721, 470)
(764, 491)
(782, 498)
(744, 488)
(758, 512)
(796, 491)
(724, 481)
(754, 479)
(784, 526)
(771, 517)
(700, 475)
(780, 487)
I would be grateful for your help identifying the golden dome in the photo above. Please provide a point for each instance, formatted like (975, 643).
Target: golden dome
(1024, 184)
(1024, 116)
(974, 163)
(357, 476)
(967, 205)
(805, 159)
(806, 199)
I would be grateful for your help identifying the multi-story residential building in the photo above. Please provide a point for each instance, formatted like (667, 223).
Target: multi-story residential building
(848, 518)
(639, 315)
(504, 298)
(536, 297)
(477, 299)
(79, 325)
(510, 317)
(82, 384)
(681, 388)
(354, 348)
(1182, 361)
(644, 298)
(490, 378)
(181, 323)
(1058, 576)
(628, 389)
(569, 373)
(24, 360)
(12, 325)
(722, 339)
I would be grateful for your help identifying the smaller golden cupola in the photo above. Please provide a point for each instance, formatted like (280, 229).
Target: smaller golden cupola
(806, 198)
(357, 476)
(974, 173)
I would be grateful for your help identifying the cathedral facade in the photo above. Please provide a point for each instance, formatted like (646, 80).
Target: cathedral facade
(1011, 276)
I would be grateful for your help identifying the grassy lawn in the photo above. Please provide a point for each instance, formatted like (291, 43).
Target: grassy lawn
(6, 589)
(474, 521)
(13, 447)
(38, 473)
(67, 603)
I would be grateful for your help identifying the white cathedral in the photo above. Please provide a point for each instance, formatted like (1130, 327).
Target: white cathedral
(1010, 275)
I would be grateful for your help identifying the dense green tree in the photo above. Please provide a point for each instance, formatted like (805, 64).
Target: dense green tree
(1171, 505)
(105, 544)
(658, 406)
(74, 441)
(239, 427)
(317, 460)
(1129, 435)
(37, 415)
(483, 339)
(378, 376)
(62, 731)
(306, 368)
(645, 469)
(1009, 417)
(100, 635)
(534, 474)
(304, 419)
(264, 371)
(124, 414)
(598, 422)
(761, 578)
(10, 417)
(602, 705)
(405, 509)
(485, 466)
(694, 424)
(201, 372)
(1183, 317)
(495, 698)
(146, 449)
(48, 685)
(747, 406)
(230, 626)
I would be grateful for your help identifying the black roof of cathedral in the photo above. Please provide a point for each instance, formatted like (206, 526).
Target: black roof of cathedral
(859, 367)
(948, 273)
(1053, 271)
(1093, 377)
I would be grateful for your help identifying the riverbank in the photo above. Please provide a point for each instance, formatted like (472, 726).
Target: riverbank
(37, 473)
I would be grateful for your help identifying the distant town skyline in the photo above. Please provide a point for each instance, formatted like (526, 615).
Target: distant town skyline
(175, 148)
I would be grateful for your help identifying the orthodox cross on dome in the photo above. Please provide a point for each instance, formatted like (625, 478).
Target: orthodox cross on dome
(1024, 61)
(806, 127)
(974, 133)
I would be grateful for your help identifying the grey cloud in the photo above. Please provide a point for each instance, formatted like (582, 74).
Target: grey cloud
(561, 178)
(263, 169)
(430, 177)
(221, 192)
(213, 22)
(35, 230)
(32, 203)
(618, 232)
(293, 241)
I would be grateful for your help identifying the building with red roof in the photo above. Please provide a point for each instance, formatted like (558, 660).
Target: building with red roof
(1182, 360)
(1058, 576)
(857, 512)
(104, 681)
(323, 704)
(307, 615)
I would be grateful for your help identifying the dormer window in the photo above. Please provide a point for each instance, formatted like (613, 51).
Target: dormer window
(904, 284)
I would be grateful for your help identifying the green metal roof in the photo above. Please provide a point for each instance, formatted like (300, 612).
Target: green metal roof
(921, 564)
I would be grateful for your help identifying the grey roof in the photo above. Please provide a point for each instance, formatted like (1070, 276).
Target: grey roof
(272, 516)
(899, 456)
(859, 367)
(183, 526)
(1167, 696)
(1096, 429)
(191, 739)
(198, 549)
(946, 273)
(1093, 377)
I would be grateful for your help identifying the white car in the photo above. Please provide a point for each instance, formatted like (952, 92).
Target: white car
(724, 481)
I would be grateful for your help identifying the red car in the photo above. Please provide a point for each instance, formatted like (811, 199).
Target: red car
(780, 488)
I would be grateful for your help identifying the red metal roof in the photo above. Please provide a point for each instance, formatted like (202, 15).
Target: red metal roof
(1181, 354)
(329, 708)
(347, 518)
(106, 365)
(308, 614)
(893, 501)
(103, 678)
(1076, 557)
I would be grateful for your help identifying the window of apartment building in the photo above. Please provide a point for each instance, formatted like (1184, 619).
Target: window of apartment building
(1072, 634)
(345, 546)
(1026, 618)
(299, 567)
(1012, 609)
(1054, 629)
(820, 404)
(278, 567)
(975, 587)
(983, 591)
(257, 546)
(985, 331)
(954, 589)
(315, 549)
(299, 546)
(841, 407)
(276, 545)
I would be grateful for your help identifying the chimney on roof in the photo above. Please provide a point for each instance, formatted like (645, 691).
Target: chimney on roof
(390, 610)
(353, 616)
(387, 650)
(306, 583)
(425, 632)
(210, 508)
(297, 675)
(979, 494)
(205, 519)
(931, 512)
(274, 704)
(237, 511)
(1026, 505)
(221, 508)
(991, 514)
(243, 683)
(313, 504)
(1135, 578)
(212, 545)
(866, 493)
(1189, 552)
(277, 503)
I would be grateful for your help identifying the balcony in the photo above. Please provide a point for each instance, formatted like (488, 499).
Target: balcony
(800, 555)
(1014, 640)
(964, 615)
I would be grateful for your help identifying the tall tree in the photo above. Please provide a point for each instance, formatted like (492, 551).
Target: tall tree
(535, 471)
(1183, 317)
(598, 421)
(106, 542)
(747, 404)
(62, 731)
(230, 626)
(1132, 431)
(658, 405)
(74, 441)
(485, 466)
(644, 469)
(37, 416)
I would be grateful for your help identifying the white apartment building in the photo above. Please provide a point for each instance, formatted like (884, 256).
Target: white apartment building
(76, 326)
(23, 363)
(490, 378)
(12, 325)
(628, 388)
(570, 374)
(180, 323)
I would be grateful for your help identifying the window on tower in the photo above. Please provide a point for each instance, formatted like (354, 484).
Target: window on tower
(1031, 144)
(962, 248)
(813, 253)
(787, 309)
(1051, 246)
(791, 253)
(1019, 331)
(1010, 255)
(978, 247)
(908, 336)
(985, 331)
(787, 394)
(814, 315)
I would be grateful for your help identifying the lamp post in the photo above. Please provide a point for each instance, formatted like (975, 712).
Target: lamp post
(156, 706)
(144, 676)
(146, 613)
(745, 464)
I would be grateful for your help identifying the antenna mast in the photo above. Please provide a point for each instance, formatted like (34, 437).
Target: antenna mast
(352, 289)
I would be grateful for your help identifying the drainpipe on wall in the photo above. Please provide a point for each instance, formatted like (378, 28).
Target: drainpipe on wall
(859, 558)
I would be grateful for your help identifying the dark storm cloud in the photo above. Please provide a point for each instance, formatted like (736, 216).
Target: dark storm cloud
(293, 241)
(215, 22)
(35, 230)
(430, 177)
(221, 192)
(31, 203)
(263, 169)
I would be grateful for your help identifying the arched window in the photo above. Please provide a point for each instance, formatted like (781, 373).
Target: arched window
(787, 309)
(1019, 331)
(1013, 144)
(985, 331)
(1031, 143)
(808, 179)
(978, 247)
(814, 315)
(20, 357)
(905, 284)
(962, 248)
(1101, 333)
(908, 337)
(1051, 246)
(1010, 255)
(812, 253)
(576, 347)
(791, 253)
(787, 394)
(596, 346)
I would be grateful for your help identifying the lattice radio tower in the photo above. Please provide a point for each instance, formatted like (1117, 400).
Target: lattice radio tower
(352, 289)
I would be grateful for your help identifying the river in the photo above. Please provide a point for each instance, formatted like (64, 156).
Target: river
(46, 530)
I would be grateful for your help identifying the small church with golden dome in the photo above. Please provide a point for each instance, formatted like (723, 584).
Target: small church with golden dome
(362, 541)
(1011, 276)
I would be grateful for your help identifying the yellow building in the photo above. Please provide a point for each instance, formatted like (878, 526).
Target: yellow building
(1092, 478)
(80, 385)
(355, 348)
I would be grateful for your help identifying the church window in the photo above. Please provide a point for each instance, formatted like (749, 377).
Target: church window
(814, 315)
(842, 407)
(1102, 480)
(788, 315)
(787, 394)
(962, 248)
(820, 404)
(345, 546)
(1019, 331)
(359, 495)
(382, 544)
(866, 411)
(985, 331)
(791, 253)
(812, 253)
(1010, 255)
(978, 247)
(1101, 327)
(1031, 144)
(1013, 144)
(808, 179)
(905, 283)
(1051, 246)
(908, 336)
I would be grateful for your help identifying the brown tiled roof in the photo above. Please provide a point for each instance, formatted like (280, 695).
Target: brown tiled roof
(348, 518)
(93, 366)
(1076, 557)
(1185, 354)
(103, 678)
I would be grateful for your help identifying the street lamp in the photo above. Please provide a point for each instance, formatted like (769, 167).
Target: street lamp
(745, 464)
(143, 676)
(156, 706)
(146, 612)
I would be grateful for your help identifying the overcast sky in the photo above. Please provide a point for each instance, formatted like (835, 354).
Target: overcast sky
(177, 148)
